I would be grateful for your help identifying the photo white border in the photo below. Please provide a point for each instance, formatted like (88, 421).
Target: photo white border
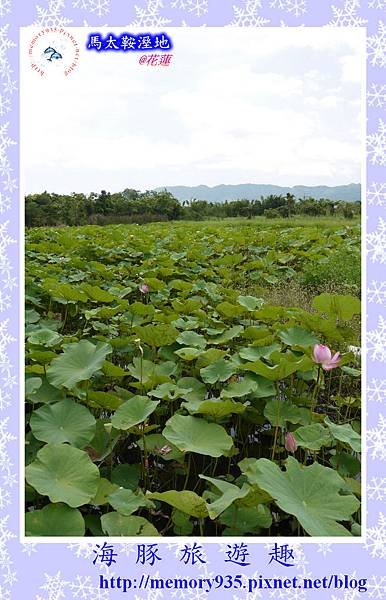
(183, 539)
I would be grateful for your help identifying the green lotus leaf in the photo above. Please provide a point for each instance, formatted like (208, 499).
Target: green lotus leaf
(32, 384)
(169, 391)
(111, 370)
(250, 302)
(143, 310)
(239, 388)
(192, 388)
(285, 366)
(45, 337)
(78, 362)
(246, 519)
(186, 324)
(191, 434)
(115, 524)
(312, 436)
(228, 335)
(337, 306)
(228, 310)
(265, 387)
(185, 501)
(54, 520)
(229, 493)
(210, 356)
(257, 332)
(157, 444)
(215, 407)
(188, 353)
(96, 293)
(64, 421)
(278, 412)
(157, 335)
(345, 433)
(253, 353)
(312, 494)
(31, 316)
(65, 292)
(220, 370)
(182, 523)
(64, 474)
(155, 284)
(353, 486)
(346, 464)
(297, 336)
(126, 476)
(145, 370)
(46, 393)
(135, 410)
(43, 357)
(105, 488)
(126, 502)
(191, 338)
(107, 400)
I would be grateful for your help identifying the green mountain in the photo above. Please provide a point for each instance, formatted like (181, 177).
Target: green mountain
(252, 191)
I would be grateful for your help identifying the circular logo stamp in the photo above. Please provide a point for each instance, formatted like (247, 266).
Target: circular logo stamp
(54, 51)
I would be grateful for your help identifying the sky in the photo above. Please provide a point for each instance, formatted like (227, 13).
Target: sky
(277, 106)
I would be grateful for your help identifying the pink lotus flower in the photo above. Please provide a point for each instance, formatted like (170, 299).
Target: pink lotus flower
(290, 443)
(144, 288)
(321, 354)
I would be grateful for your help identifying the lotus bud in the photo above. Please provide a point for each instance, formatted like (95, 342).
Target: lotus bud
(290, 443)
(321, 355)
(144, 288)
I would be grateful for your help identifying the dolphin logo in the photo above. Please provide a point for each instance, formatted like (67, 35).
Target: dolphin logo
(53, 54)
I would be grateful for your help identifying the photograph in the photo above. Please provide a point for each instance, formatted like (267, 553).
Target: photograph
(193, 282)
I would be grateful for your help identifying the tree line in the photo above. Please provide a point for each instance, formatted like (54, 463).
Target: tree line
(132, 206)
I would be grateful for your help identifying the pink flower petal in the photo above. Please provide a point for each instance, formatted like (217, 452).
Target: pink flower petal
(321, 353)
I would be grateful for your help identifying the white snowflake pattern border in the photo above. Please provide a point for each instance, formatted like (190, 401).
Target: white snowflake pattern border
(55, 587)
(51, 15)
(376, 390)
(346, 14)
(98, 7)
(376, 46)
(247, 15)
(376, 441)
(376, 243)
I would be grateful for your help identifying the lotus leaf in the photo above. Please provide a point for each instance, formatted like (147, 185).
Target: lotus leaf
(220, 370)
(345, 433)
(312, 494)
(191, 434)
(135, 410)
(78, 362)
(229, 493)
(64, 421)
(126, 502)
(186, 501)
(312, 436)
(115, 524)
(54, 520)
(64, 474)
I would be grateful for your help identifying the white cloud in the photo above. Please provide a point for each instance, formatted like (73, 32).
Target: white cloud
(235, 106)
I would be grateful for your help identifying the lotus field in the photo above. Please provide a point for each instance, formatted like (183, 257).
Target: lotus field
(193, 379)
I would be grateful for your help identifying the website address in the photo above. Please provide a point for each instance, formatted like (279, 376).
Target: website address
(234, 582)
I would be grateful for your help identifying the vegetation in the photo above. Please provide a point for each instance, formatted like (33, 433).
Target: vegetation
(168, 394)
(131, 206)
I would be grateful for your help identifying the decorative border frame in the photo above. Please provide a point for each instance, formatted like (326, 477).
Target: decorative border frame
(55, 572)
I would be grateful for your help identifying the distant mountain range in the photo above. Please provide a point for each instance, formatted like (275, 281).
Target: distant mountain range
(251, 191)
